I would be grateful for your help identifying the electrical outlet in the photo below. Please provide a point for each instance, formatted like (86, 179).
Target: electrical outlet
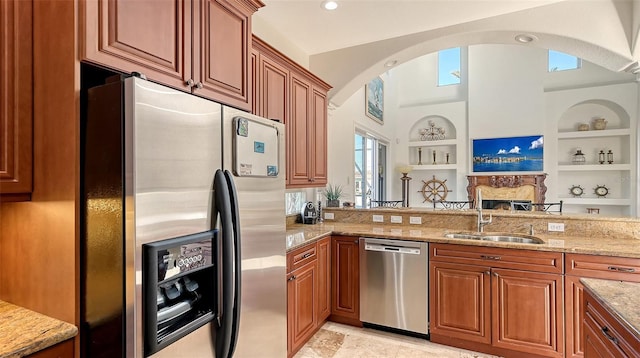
(555, 227)
(328, 216)
(415, 220)
(395, 219)
(378, 218)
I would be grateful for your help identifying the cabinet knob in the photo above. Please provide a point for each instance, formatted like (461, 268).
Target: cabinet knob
(190, 82)
(292, 278)
(199, 85)
(495, 274)
(487, 272)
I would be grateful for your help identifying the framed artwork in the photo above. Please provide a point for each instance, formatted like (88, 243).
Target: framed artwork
(512, 154)
(374, 99)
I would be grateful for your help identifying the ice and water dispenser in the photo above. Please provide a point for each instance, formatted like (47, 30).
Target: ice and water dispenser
(179, 288)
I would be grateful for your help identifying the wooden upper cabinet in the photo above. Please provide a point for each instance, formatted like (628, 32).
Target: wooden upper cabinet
(16, 100)
(299, 134)
(223, 36)
(286, 92)
(319, 143)
(150, 37)
(192, 45)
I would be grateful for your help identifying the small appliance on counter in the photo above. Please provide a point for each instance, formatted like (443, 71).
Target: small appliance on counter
(309, 214)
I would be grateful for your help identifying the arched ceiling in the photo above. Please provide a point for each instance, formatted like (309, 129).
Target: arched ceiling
(349, 46)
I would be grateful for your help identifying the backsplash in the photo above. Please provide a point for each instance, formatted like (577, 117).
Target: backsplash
(503, 221)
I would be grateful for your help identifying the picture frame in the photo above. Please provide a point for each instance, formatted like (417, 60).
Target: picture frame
(509, 154)
(374, 99)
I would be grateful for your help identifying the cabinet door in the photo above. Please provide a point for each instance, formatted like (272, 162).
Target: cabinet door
(324, 279)
(345, 279)
(151, 37)
(301, 306)
(273, 90)
(16, 100)
(318, 150)
(460, 306)
(573, 316)
(221, 68)
(297, 133)
(527, 309)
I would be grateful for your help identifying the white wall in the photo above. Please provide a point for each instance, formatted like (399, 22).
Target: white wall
(507, 95)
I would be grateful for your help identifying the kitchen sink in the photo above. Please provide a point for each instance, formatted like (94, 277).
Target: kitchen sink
(522, 239)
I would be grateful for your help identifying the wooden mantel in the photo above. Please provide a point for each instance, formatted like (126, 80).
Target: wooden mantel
(509, 183)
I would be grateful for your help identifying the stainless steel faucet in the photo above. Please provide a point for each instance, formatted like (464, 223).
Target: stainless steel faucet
(481, 220)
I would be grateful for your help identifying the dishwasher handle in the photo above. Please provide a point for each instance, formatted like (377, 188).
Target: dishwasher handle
(392, 248)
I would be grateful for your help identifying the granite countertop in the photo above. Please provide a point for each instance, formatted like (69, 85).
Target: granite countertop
(23, 332)
(619, 298)
(299, 235)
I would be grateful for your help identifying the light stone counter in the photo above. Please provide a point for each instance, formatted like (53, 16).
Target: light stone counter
(622, 299)
(609, 245)
(23, 332)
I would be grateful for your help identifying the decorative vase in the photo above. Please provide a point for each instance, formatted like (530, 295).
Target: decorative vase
(599, 123)
(333, 203)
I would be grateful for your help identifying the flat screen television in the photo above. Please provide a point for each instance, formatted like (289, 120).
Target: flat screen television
(510, 154)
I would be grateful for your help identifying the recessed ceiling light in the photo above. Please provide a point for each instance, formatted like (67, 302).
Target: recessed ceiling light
(390, 63)
(329, 5)
(525, 38)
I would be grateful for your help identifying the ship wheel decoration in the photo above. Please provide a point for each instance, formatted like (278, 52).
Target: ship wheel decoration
(434, 190)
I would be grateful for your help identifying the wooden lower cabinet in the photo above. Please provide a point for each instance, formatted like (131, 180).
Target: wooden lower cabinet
(61, 350)
(301, 306)
(345, 280)
(604, 336)
(527, 312)
(589, 266)
(460, 297)
(497, 310)
(324, 279)
(308, 292)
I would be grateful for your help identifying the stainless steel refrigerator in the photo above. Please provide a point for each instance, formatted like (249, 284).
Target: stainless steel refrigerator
(183, 226)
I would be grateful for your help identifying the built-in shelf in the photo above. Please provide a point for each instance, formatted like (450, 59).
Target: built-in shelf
(592, 167)
(596, 201)
(595, 133)
(433, 143)
(435, 167)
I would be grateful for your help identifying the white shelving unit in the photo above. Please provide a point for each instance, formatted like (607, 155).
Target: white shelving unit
(617, 177)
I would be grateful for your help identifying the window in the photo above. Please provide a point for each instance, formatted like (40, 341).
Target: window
(559, 61)
(370, 170)
(449, 67)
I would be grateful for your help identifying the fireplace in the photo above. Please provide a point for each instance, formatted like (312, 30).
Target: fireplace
(499, 190)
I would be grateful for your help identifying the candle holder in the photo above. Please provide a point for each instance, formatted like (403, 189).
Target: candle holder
(610, 157)
(601, 157)
(447, 156)
(419, 155)
(434, 157)
(405, 170)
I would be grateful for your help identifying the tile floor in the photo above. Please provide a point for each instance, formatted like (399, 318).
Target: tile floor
(336, 340)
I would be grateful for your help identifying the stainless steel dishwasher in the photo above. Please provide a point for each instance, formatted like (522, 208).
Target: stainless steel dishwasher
(394, 283)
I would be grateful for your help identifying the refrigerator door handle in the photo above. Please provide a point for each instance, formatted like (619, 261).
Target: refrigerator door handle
(235, 218)
(225, 323)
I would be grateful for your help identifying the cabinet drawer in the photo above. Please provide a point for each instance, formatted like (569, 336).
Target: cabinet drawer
(301, 256)
(611, 333)
(527, 260)
(607, 267)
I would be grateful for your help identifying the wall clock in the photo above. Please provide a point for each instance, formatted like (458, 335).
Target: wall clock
(576, 190)
(601, 190)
